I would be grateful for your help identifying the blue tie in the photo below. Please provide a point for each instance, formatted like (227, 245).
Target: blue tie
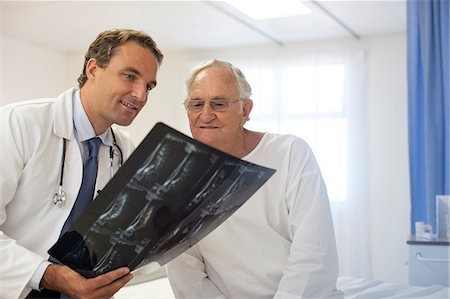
(86, 193)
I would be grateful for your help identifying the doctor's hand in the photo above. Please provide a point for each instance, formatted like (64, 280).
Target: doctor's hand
(65, 280)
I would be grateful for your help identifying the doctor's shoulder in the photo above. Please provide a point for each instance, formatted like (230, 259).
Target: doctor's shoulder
(28, 113)
(28, 106)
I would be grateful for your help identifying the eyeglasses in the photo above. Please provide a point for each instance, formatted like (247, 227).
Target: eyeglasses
(217, 105)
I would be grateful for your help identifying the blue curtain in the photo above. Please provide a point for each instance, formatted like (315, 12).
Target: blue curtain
(428, 33)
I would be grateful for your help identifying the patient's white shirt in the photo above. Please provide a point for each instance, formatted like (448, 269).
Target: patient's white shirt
(279, 244)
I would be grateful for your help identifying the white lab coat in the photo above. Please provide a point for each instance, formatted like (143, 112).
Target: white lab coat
(32, 135)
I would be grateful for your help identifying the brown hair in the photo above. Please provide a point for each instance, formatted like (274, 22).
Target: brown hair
(105, 46)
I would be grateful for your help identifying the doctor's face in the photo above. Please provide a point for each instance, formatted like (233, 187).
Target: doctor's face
(118, 92)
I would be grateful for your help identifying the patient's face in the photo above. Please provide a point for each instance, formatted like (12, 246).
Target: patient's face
(222, 130)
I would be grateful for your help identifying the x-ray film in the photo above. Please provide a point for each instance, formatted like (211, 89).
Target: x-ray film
(170, 193)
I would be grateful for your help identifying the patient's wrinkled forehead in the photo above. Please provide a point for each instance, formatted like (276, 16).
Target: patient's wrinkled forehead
(215, 82)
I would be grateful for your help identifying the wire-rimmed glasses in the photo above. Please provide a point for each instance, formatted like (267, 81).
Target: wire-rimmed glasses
(217, 105)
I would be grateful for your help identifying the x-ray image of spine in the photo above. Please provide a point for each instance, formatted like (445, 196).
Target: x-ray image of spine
(217, 183)
(138, 192)
(120, 254)
(127, 205)
(148, 204)
(247, 176)
(130, 208)
(224, 187)
(220, 178)
(160, 164)
(163, 210)
(188, 174)
(86, 259)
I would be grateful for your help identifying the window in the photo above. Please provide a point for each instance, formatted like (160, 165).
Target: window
(320, 94)
(307, 101)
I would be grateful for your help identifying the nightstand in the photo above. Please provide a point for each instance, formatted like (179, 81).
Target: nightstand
(429, 262)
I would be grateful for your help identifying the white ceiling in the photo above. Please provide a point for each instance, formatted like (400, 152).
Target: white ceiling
(70, 26)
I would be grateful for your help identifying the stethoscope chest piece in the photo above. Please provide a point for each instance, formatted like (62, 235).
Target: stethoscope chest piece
(59, 198)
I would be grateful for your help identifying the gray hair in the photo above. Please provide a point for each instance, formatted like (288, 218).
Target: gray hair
(245, 91)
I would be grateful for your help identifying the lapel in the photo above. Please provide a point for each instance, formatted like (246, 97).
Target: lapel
(63, 118)
(63, 128)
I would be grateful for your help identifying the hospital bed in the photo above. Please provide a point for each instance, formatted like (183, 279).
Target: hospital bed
(354, 288)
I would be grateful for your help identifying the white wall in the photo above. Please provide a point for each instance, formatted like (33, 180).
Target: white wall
(388, 165)
(29, 71)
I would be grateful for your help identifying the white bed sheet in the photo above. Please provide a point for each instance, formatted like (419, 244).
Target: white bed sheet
(354, 288)
(359, 288)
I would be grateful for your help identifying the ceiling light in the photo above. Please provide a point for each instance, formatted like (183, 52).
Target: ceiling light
(267, 9)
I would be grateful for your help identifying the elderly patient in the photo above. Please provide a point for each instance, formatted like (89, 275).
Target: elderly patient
(280, 243)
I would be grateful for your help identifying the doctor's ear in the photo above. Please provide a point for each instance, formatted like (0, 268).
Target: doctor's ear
(91, 68)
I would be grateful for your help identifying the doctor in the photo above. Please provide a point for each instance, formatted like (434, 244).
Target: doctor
(42, 156)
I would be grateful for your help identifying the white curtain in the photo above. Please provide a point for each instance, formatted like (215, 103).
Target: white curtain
(320, 96)
(351, 218)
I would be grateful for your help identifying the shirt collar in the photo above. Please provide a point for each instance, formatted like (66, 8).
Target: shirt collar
(83, 127)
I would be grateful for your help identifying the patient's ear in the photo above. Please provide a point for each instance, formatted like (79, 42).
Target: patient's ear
(247, 107)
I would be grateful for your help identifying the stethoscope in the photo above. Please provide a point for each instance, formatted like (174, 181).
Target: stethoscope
(59, 198)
